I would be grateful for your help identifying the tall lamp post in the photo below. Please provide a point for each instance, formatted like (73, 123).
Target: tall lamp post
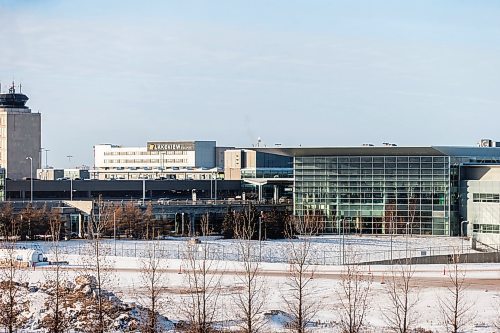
(31, 177)
(71, 188)
(407, 231)
(260, 236)
(462, 233)
(215, 190)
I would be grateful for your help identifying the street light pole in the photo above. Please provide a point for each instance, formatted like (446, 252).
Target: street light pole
(143, 190)
(407, 229)
(462, 233)
(215, 192)
(182, 225)
(31, 178)
(114, 228)
(260, 236)
(392, 230)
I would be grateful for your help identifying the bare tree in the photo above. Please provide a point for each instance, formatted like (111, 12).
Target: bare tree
(154, 282)
(148, 219)
(99, 266)
(13, 298)
(354, 293)
(455, 306)
(400, 313)
(203, 283)
(128, 218)
(250, 301)
(300, 299)
(57, 319)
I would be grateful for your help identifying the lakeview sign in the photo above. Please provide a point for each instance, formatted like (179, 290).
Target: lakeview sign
(171, 146)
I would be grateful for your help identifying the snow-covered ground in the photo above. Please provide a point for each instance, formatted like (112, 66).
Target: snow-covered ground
(326, 250)
(483, 292)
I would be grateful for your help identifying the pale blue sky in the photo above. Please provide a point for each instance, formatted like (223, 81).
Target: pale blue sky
(311, 72)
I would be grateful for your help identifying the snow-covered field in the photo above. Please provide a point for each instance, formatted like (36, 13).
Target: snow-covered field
(483, 291)
(326, 250)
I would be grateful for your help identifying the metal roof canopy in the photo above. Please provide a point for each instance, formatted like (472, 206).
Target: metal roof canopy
(382, 151)
(269, 181)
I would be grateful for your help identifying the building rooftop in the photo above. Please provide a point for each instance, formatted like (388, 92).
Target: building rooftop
(383, 151)
(13, 99)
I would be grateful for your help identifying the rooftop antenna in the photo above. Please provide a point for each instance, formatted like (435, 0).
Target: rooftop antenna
(258, 141)
(12, 90)
(20, 88)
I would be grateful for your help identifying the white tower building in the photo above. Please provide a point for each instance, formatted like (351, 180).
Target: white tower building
(20, 135)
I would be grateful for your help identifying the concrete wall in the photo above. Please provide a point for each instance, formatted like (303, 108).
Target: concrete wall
(484, 213)
(470, 258)
(233, 160)
(20, 137)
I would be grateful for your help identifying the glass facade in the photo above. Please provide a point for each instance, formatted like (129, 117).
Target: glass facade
(377, 194)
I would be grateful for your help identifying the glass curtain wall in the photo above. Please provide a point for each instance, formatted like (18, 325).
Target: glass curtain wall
(375, 194)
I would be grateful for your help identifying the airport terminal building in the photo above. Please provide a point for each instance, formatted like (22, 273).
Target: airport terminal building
(384, 190)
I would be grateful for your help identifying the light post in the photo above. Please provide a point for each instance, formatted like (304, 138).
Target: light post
(343, 241)
(143, 190)
(407, 230)
(71, 189)
(31, 178)
(114, 228)
(182, 224)
(211, 187)
(392, 232)
(260, 236)
(462, 233)
(215, 192)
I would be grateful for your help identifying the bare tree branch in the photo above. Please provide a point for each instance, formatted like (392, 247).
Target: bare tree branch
(354, 295)
(300, 299)
(400, 314)
(154, 283)
(203, 283)
(98, 266)
(13, 298)
(57, 319)
(455, 307)
(250, 301)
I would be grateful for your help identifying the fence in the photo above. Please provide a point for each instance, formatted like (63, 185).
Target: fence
(273, 252)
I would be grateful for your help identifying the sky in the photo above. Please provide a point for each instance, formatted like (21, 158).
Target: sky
(293, 72)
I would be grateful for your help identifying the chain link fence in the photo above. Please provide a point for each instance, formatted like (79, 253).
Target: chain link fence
(339, 254)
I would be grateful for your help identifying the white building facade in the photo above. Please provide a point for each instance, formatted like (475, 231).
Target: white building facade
(483, 205)
(158, 160)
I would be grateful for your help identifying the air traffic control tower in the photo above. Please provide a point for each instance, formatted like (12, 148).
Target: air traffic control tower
(20, 135)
